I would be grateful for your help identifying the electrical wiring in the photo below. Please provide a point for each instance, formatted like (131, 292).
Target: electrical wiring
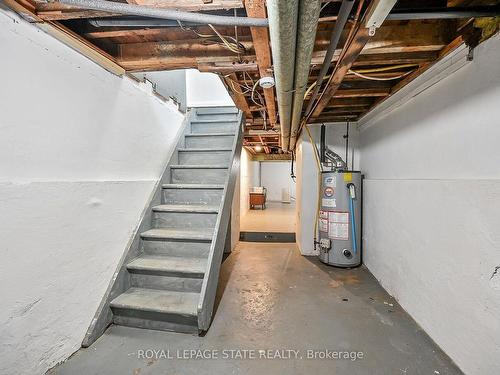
(228, 42)
(233, 82)
(261, 104)
(318, 164)
(386, 68)
(360, 74)
(378, 78)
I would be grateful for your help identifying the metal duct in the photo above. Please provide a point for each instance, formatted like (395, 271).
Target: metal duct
(138, 22)
(283, 32)
(449, 13)
(306, 34)
(343, 16)
(139, 10)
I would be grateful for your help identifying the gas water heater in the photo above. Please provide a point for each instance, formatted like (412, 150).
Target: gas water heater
(339, 219)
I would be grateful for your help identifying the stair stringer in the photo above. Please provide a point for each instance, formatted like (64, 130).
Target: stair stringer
(219, 241)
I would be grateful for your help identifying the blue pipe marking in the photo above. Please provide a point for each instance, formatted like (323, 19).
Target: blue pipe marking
(353, 222)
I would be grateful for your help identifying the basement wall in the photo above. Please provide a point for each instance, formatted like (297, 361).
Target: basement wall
(307, 176)
(206, 90)
(249, 177)
(275, 176)
(80, 153)
(432, 209)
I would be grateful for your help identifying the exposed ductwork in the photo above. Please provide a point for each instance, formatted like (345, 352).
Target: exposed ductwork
(306, 34)
(283, 32)
(143, 11)
(292, 26)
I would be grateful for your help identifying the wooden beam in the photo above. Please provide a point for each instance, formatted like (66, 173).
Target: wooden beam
(342, 118)
(350, 102)
(361, 93)
(151, 65)
(227, 67)
(272, 157)
(260, 37)
(267, 150)
(182, 48)
(250, 149)
(55, 11)
(457, 42)
(236, 95)
(25, 9)
(358, 43)
(139, 35)
(191, 5)
(81, 45)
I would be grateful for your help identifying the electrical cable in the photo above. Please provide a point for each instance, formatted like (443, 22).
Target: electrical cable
(350, 37)
(292, 174)
(347, 145)
(379, 78)
(228, 42)
(320, 170)
(359, 72)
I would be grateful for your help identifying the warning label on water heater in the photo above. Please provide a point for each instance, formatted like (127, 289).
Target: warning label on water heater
(338, 225)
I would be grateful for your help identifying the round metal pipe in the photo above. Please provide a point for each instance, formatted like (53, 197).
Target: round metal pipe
(283, 32)
(306, 33)
(139, 10)
(114, 22)
(343, 16)
(445, 14)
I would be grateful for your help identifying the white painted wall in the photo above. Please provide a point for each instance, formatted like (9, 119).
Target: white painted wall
(169, 84)
(206, 90)
(432, 204)
(275, 176)
(249, 171)
(80, 152)
(307, 177)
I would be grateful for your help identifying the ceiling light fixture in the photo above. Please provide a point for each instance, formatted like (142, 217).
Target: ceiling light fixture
(377, 14)
(258, 148)
(266, 82)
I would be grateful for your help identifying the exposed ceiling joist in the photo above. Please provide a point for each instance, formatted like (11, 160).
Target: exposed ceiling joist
(260, 36)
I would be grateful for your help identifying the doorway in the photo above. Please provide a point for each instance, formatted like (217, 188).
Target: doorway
(267, 192)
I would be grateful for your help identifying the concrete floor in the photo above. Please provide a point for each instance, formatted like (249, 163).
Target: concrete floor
(277, 217)
(272, 298)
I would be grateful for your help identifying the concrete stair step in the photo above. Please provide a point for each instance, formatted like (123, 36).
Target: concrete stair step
(211, 125)
(199, 166)
(169, 266)
(209, 135)
(197, 173)
(176, 247)
(194, 186)
(158, 301)
(217, 116)
(211, 120)
(201, 235)
(215, 110)
(187, 208)
(209, 140)
(196, 194)
(185, 216)
(204, 156)
(157, 309)
(162, 282)
(205, 150)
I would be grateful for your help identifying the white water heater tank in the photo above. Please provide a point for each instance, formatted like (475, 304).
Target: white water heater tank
(340, 218)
